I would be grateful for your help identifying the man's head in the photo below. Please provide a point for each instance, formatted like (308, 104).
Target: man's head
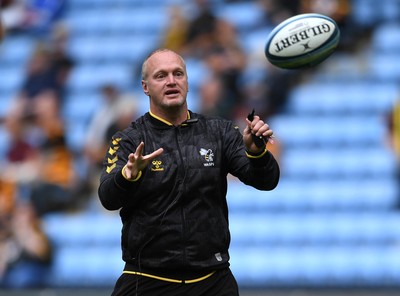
(165, 81)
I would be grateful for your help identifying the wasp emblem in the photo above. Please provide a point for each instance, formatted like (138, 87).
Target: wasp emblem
(207, 153)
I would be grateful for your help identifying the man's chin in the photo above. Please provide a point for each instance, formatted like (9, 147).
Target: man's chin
(175, 102)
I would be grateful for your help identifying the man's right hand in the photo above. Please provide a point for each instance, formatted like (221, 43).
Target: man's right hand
(138, 162)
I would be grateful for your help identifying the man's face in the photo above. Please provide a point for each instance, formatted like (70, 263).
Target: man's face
(165, 81)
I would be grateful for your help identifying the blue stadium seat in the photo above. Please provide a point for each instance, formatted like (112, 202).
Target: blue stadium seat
(119, 20)
(87, 249)
(78, 5)
(345, 228)
(83, 229)
(243, 15)
(365, 14)
(294, 195)
(81, 106)
(355, 164)
(6, 101)
(112, 49)
(80, 266)
(4, 140)
(384, 66)
(253, 41)
(12, 77)
(75, 135)
(316, 266)
(88, 77)
(386, 37)
(332, 131)
(16, 50)
(343, 97)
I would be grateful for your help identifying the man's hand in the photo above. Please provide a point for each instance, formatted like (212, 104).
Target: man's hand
(138, 162)
(258, 128)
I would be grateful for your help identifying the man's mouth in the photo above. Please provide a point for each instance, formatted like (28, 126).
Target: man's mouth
(172, 92)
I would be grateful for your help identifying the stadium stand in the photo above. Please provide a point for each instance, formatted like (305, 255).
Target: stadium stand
(333, 221)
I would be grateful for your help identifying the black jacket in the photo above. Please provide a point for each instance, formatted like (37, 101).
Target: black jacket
(175, 216)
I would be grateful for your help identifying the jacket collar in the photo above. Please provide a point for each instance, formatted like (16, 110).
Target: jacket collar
(161, 122)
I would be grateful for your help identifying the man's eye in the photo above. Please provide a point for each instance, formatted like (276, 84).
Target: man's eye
(160, 76)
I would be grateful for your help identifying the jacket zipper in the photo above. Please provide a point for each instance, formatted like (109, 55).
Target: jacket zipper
(181, 187)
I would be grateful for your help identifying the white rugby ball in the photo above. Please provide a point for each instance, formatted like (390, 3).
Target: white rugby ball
(302, 41)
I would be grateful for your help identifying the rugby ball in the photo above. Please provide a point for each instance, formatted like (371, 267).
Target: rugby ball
(302, 41)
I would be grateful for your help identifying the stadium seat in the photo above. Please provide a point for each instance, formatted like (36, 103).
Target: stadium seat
(344, 228)
(355, 164)
(112, 49)
(89, 77)
(365, 13)
(75, 135)
(316, 266)
(81, 106)
(243, 15)
(343, 97)
(12, 77)
(79, 5)
(16, 50)
(293, 195)
(6, 100)
(4, 140)
(120, 20)
(83, 229)
(384, 66)
(386, 37)
(329, 131)
(90, 267)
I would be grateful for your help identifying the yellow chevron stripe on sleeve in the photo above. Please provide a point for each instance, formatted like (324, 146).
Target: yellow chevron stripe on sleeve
(111, 151)
(112, 160)
(115, 141)
(110, 168)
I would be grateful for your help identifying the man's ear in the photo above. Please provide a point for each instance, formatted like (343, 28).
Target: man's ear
(145, 88)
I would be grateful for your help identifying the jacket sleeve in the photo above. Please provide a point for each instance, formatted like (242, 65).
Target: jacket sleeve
(114, 190)
(259, 171)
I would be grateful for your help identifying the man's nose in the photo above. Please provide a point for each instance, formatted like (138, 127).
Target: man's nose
(171, 79)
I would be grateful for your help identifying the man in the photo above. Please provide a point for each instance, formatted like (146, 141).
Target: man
(167, 173)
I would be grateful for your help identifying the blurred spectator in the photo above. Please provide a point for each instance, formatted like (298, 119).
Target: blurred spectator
(39, 80)
(175, 34)
(61, 62)
(33, 16)
(39, 161)
(46, 73)
(2, 29)
(269, 94)
(45, 14)
(14, 14)
(276, 11)
(45, 77)
(201, 30)
(393, 120)
(220, 93)
(340, 11)
(53, 188)
(25, 250)
(117, 111)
